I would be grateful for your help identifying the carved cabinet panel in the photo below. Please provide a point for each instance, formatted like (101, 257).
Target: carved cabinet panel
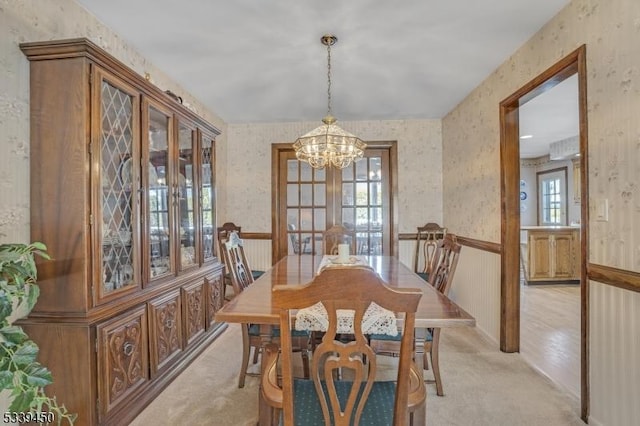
(123, 357)
(194, 299)
(165, 331)
(214, 286)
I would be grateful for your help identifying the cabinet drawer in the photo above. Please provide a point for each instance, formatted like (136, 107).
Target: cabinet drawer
(165, 331)
(214, 286)
(193, 299)
(123, 358)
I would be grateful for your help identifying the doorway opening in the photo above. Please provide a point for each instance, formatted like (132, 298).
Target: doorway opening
(573, 64)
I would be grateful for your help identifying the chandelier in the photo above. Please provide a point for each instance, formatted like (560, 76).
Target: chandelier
(329, 145)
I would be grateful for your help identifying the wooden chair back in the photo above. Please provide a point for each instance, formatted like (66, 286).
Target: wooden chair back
(335, 235)
(222, 235)
(427, 239)
(352, 288)
(236, 261)
(444, 263)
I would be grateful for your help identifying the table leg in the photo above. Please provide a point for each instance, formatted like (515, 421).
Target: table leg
(265, 411)
(419, 339)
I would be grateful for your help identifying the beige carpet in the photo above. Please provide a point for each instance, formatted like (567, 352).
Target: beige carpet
(482, 387)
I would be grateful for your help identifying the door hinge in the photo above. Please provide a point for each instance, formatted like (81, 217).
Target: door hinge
(95, 346)
(90, 220)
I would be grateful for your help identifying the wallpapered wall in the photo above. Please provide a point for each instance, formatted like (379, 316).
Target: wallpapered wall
(34, 20)
(419, 168)
(611, 31)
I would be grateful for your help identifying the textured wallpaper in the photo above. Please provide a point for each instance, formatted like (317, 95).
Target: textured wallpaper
(611, 32)
(35, 20)
(419, 168)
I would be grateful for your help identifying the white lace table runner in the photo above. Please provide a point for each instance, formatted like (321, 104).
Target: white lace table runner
(333, 261)
(376, 320)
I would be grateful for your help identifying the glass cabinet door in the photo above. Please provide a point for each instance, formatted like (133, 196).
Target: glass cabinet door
(207, 196)
(186, 196)
(118, 177)
(159, 200)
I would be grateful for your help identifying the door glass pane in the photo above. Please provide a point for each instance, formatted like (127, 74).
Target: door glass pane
(320, 219)
(306, 219)
(362, 195)
(305, 172)
(186, 196)
(375, 169)
(292, 170)
(375, 193)
(306, 198)
(292, 195)
(347, 194)
(119, 180)
(319, 194)
(361, 170)
(206, 197)
(159, 195)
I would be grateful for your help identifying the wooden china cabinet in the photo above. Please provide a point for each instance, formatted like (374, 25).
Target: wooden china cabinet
(123, 195)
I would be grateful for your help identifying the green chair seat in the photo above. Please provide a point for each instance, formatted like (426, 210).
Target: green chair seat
(254, 330)
(378, 409)
(256, 274)
(397, 338)
(423, 275)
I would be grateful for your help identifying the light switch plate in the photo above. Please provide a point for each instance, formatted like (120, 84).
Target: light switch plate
(602, 209)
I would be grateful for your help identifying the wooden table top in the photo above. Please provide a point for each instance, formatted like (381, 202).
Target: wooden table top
(253, 305)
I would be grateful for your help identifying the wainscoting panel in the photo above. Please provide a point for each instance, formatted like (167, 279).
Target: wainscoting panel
(258, 254)
(614, 319)
(476, 288)
(406, 252)
(476, 285)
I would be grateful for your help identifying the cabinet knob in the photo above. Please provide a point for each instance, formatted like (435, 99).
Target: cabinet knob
(128, 348)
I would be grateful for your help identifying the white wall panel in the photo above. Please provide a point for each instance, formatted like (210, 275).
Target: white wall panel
(615, 343)
(476, 288)
(258, 254)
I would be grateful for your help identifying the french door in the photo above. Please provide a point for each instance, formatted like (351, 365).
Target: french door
(309, 201)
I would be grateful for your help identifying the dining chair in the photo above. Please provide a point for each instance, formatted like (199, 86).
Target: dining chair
(357, 397)
(446, 256)
(241, 278)
(427, 238)
(223, 233)
(338, 234)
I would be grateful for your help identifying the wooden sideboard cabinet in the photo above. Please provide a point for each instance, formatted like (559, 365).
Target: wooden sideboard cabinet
(122, 194)
(552, 254)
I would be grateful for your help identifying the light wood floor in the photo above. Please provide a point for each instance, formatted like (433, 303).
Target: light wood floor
(550, 332)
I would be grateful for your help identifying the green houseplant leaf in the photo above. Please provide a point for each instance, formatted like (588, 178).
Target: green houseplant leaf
(20, 372)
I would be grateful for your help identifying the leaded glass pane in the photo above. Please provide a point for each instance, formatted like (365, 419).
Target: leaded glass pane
(118, 176)
(206, 198)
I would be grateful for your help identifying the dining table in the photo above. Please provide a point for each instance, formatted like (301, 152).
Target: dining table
(253, 305)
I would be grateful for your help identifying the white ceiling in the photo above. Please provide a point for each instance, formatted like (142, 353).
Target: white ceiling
(262, 61)
(549, 117)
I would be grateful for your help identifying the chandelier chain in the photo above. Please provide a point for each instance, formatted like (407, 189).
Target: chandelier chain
(328, 78)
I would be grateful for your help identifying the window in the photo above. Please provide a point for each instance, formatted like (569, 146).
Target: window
(552, 197)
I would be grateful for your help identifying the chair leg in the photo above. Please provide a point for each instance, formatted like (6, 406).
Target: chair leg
(246, 349)
(256, 352)
(305, 363)
(435, 361)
